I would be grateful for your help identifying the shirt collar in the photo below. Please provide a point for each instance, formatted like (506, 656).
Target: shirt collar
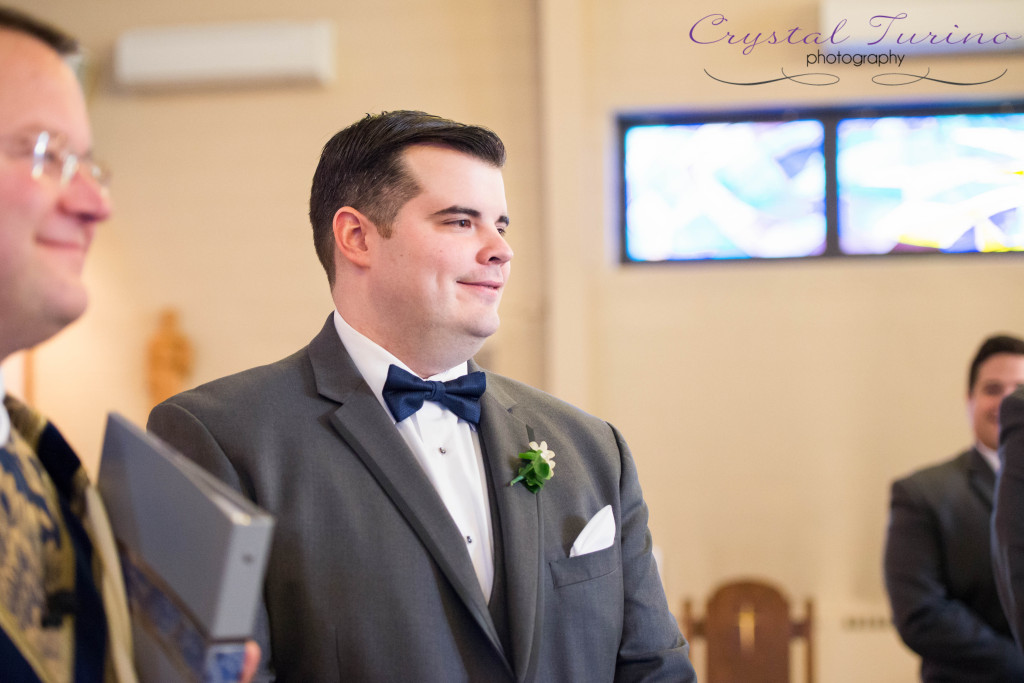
(990, 456)
(373, 360)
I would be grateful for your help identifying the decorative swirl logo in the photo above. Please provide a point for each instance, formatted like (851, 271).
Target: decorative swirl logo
(891, 79)
(895, 78)
(796, 78)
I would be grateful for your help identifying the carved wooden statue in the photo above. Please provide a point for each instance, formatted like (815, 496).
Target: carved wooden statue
(169, 358)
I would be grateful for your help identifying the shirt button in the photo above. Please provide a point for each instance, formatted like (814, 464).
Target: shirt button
(442, 450)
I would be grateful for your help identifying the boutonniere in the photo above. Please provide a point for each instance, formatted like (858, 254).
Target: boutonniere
(540, 461)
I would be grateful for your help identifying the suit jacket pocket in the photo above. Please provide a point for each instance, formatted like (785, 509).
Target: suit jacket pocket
(570, 570)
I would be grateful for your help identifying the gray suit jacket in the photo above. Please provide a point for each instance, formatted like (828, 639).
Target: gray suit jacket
(1008, 520)
(369, 578)
(938, 572)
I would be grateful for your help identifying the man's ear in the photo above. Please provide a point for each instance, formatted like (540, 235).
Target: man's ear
(352, 232)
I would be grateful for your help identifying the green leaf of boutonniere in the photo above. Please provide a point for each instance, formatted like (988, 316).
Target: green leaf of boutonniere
(540, 463)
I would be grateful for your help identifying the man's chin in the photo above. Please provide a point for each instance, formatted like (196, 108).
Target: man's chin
(474, 340)
(51, 323)
(485, 326)
(483, 334)
(69, 307)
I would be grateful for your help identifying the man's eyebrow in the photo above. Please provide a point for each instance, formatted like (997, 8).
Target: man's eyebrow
(34, 129)
(456, 210)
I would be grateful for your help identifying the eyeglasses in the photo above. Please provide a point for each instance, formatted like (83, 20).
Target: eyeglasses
(51, 157)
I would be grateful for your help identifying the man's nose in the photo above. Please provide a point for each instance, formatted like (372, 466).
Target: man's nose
(86, 198)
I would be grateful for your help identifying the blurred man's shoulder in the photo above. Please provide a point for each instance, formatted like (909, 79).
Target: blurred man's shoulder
(937, 475)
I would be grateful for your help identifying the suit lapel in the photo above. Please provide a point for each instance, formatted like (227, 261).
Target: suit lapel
(503, 436)
(367, 430)
(982, 478)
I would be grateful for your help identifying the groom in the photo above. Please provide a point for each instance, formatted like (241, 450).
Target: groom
(401, 551)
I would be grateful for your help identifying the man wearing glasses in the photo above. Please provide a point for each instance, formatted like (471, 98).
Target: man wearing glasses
(62, 608)
(54, 602)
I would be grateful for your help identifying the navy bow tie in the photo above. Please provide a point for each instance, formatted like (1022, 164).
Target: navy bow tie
(404, 394)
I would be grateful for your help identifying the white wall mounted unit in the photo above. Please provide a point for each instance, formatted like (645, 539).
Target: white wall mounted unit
(236, 54)
(952, 27)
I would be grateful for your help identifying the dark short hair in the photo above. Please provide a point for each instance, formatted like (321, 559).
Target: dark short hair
(19, 22)
(1000, 343)
(362, 167)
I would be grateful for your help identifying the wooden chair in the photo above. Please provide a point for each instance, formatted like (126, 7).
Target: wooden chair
(747, 630)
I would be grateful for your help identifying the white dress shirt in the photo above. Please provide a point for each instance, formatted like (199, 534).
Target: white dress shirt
(447, 448)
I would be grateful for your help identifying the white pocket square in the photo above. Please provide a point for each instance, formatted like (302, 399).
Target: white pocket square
(597, 535)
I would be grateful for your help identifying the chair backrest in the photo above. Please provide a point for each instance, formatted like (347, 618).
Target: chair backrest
(747, 629)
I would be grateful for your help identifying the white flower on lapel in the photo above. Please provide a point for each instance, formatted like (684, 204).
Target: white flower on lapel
(545, 452)
(539, 467)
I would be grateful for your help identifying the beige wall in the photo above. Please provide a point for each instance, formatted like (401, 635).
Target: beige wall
(768, 405)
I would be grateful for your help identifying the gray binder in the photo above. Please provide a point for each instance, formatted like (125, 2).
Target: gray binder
(193, 552)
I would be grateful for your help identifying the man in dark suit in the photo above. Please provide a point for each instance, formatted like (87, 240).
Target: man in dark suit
(1008, 518)
(402, 552)
(938, 567)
